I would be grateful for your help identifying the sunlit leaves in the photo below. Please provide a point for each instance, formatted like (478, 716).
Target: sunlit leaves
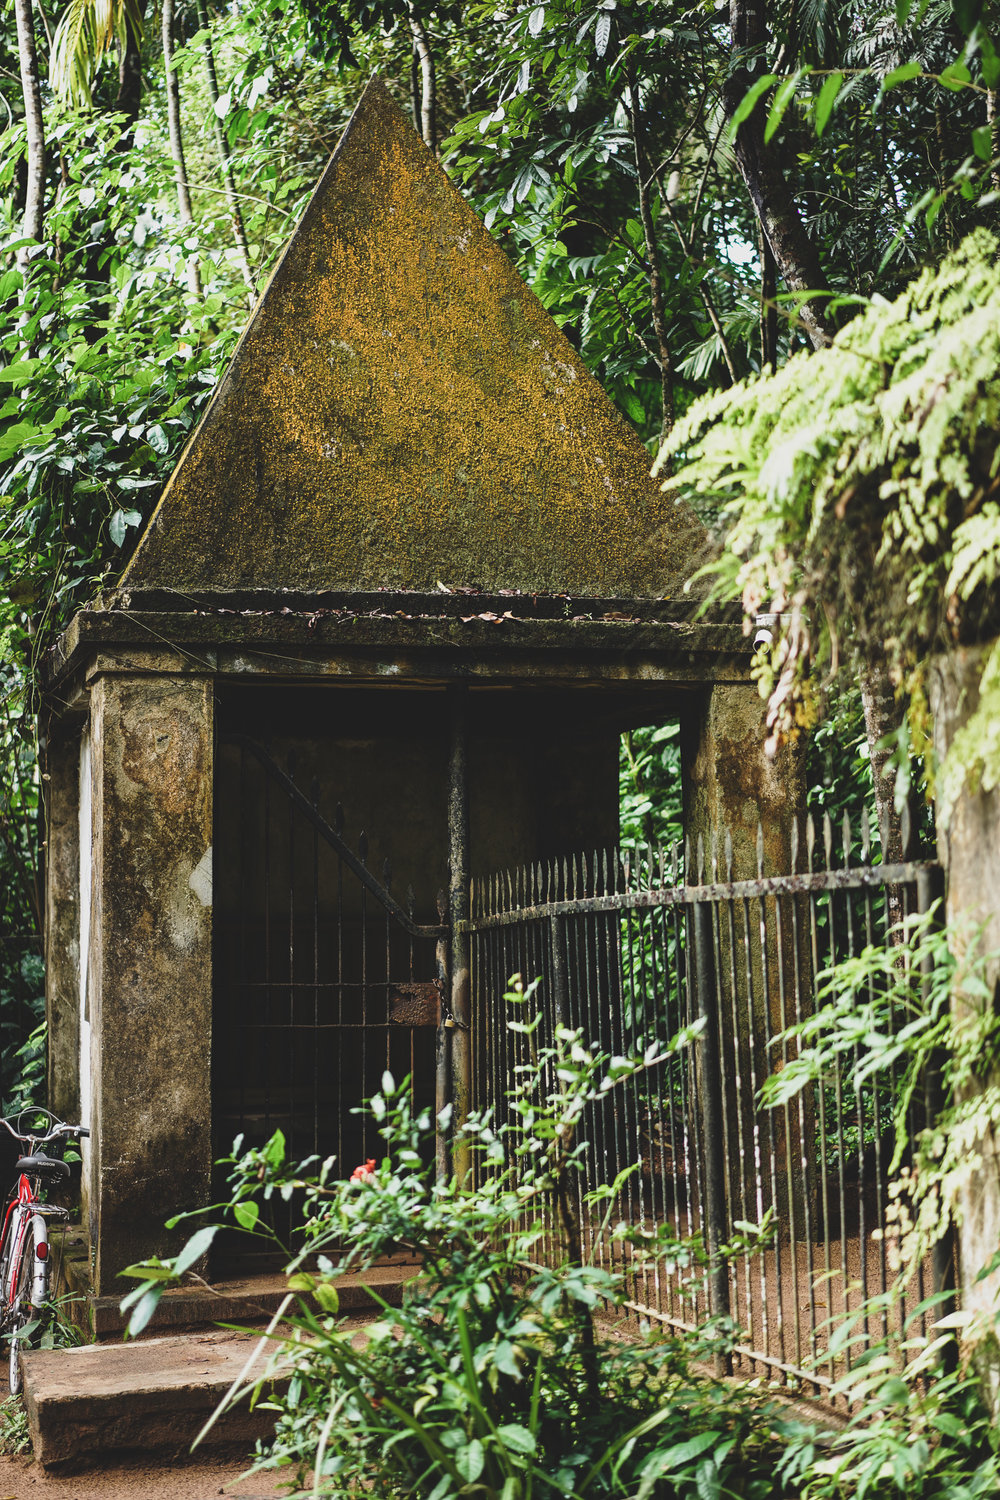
(783, 96)
(748, 103)
(826, 100)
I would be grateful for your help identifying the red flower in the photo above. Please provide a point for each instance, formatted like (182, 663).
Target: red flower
(364, 1173)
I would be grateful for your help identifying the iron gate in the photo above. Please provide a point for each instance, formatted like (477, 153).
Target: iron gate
(630, 951)
(323, 980)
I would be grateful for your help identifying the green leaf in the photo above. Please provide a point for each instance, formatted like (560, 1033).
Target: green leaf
(301, 1282)
(20, 372)
(505, 1359)
(982, 142)
(602, 33)
(326, 1295)
(903, 8)
(902, 74)
(955, 77)
(195, 1248)
(748, 103)
(147, 1271)
(15, 437)
(121, 521)
(470, 1461)
(827, 99)
(517, 1438)
(782, 99)
(988, 60)
(143, 1310)
(246, 1214)
(157, 439)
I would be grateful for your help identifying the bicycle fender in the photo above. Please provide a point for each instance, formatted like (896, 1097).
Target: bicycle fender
(40, 1269)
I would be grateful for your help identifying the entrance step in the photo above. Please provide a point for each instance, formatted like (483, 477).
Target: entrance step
(153, 1396)
(247, 1301)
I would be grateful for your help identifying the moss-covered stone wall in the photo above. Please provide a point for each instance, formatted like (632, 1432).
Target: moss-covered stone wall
(401, 411)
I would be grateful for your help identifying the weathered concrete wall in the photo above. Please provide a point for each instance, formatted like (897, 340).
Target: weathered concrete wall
(62, 921)
(730, 783)
(150, 971)
(402, 410)
(969, 848)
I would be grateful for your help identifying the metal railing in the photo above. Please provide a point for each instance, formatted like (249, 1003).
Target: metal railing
(631, 953)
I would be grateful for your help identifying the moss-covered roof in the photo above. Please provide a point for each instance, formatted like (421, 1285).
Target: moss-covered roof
(401, 410)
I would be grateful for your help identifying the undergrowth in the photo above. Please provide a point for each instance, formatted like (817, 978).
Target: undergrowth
(496, 1379)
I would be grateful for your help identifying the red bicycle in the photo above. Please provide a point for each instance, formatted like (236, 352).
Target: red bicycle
(25, 1265)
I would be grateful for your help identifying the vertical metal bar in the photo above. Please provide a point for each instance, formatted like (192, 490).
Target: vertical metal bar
(295, 1150)
(930, 896)
(237, 1011)
(712, 1106)
(458, 905)
(318, 1035)
(264, 1035)
(338, 824)
(742, 1099)
(442, 1051)
(368, 1084)
(560, 994)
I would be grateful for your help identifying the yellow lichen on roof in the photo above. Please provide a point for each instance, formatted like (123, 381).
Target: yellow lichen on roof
(402, 410)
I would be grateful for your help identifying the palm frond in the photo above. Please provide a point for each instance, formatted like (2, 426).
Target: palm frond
(87, 31)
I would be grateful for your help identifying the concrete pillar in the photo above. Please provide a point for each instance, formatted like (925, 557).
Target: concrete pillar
(969, 849)
(62, 917)
(730, 783)
(150, 968)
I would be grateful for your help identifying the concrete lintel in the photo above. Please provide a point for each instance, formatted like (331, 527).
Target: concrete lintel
(373, 645)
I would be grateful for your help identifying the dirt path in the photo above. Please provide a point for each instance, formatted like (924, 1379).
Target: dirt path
(23, 1479)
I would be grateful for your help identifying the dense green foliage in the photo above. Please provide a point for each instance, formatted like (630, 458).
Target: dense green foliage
(859, 488)
(496, 1375)
(501, 1373)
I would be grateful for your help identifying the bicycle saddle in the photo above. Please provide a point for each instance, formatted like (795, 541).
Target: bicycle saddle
(42, 1166)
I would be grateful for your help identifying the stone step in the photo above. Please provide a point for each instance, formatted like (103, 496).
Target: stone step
(248, 1300)
(152, 1396)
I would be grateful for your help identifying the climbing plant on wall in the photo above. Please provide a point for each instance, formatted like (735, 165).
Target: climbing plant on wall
(859, 490)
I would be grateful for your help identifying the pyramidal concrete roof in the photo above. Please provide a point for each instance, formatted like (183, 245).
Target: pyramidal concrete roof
(401, 410)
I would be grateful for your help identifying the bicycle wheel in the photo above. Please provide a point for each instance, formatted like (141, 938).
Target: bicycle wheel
(22, 1310)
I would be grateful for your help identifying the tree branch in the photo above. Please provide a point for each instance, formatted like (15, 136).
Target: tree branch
(794, 252)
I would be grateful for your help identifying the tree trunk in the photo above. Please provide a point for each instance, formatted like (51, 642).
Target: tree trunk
(794, 252)
(665, 356)
(184, 209)
(428, 82)
(225, 155)
(768, 306)
(129, 96)
(32, 224)
(993, 121)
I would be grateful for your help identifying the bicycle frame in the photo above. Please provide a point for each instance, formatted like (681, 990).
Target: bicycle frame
(19, 1217)
(24, 1289)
